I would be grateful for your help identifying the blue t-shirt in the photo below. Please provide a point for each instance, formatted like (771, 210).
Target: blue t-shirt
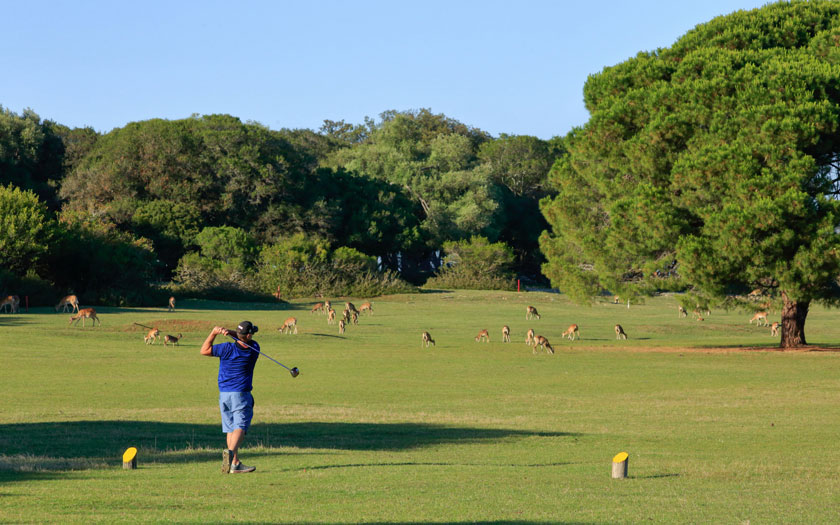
(236, 366)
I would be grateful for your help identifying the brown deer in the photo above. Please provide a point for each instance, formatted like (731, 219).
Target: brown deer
(349, 306)
(288, 325)
(85, 313)
(277, 294)
(330, 316)
(341, 325)
(616, 299)
(355, 316)
(774, 328)
(366, 307)
(619, 332)
(426, 339)
(171, 304)
(543, 343)
(571, 332)
(681, 312)
(529, 338)
(531, 312)
(327, 306)
(483, 335)
(171, 339)
(319, 307)
(71, 300)
(758, 318)
(151, 337)
(12, 302)
(346, 315)
(506, 334)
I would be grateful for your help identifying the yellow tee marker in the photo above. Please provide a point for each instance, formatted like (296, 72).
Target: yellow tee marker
(619, 465)
(130, 458)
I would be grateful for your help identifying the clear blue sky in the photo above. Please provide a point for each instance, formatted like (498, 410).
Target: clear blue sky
(515, 66)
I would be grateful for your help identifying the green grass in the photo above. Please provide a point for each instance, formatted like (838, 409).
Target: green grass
(720, 427)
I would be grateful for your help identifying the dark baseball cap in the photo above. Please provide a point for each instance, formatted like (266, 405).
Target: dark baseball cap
(245, 328)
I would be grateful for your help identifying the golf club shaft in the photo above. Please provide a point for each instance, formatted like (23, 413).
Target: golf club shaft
(257, 351)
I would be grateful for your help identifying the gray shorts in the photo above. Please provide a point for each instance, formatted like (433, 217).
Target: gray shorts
(237, 409)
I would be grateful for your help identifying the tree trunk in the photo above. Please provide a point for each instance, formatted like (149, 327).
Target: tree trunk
(793, 322)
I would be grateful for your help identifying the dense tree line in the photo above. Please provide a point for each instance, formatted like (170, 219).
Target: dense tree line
(206, 201)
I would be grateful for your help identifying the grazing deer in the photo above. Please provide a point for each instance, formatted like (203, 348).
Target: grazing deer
(366, 307)
(288, 325)
(619, 332)
(167, 339)
(85, 313)
(681, 312)
(774, 328)
(151, 337)
(542, 342)
(12, 302)
(529, 338)
(71, 300)
(355, 317)
(319, 307)
(171, 304)
(426, 339)
(758, 317)
(571, 332)
(484, 334)
(330, 316)
(349, 306)
(341, 325)
(531, 312)
(506, 334)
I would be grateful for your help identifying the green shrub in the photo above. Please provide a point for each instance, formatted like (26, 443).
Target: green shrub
(475, 264)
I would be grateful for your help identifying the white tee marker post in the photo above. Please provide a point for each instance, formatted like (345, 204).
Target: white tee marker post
(130, 458)
(619, 465)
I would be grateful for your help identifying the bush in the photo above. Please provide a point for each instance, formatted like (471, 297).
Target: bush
(476, 264)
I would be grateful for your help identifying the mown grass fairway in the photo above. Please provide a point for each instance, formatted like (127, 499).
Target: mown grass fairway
(377, 429)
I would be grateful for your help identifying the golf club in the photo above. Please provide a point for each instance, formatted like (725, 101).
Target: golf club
(294, 370)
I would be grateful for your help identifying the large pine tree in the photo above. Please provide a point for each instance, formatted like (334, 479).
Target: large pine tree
(715, 160)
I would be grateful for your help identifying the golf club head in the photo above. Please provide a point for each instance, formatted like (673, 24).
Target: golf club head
(294, 371)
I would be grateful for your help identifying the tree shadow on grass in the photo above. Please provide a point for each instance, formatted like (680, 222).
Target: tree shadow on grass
(89, 444)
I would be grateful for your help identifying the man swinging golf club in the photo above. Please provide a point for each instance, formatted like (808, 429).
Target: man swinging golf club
(236, 373)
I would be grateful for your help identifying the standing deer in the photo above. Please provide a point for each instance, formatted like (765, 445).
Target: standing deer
(542, 342)
(616, 299)
(85, 313)
(167, 339)
(327, 306)
(774, 329)
(484, 334)
(529, 338)
(319, 307)
(758, 317)
(71, 300)
(366, 307)
(12, 302)
(346, 315)
(341, 325)
(619, 332)
(531, 312)
(355, 316)
(151, 337)
(171, 304)
(330, 316)
(506, 334)
(681, 312)
(571, 332)
(426, 339)
(288, 325)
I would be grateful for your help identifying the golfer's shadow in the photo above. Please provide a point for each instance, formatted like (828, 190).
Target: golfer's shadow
(91, 444)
